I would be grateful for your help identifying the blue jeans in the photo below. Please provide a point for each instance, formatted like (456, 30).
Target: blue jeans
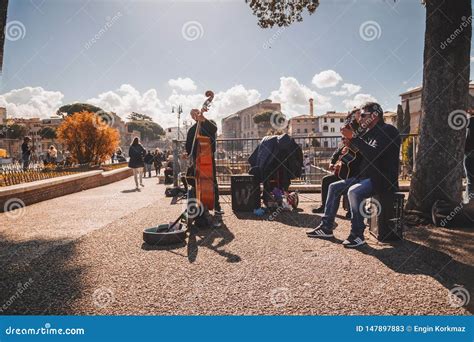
(469, 168)
(357, 191)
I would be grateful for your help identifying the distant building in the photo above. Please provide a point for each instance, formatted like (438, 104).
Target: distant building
(3, 115)
(171, 133)
(304, 125)
(390, 118)
(413, 97)
(241, 124)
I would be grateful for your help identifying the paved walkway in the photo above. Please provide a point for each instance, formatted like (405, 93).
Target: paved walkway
(83, 254)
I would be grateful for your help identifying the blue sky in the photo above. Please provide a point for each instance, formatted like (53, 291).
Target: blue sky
(146, 56)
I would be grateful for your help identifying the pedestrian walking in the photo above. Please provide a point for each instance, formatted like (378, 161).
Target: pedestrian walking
(158, 161)
(136, 153)
(26, 150)
(148, 163)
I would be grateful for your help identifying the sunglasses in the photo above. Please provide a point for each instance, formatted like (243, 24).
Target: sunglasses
(365, 114)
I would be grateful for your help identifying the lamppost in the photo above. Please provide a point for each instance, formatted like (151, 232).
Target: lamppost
(179, 110)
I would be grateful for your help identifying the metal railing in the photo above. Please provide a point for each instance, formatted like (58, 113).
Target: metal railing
(232, 156)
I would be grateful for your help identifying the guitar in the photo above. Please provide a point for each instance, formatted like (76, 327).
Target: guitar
(344, 166)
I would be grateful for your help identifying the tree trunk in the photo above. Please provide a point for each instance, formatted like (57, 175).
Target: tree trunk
(446, 72)
(3, 22)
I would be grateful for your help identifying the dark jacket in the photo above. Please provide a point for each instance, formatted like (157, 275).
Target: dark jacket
(380, 149)
(277, 153)
(25, 151)
(208, 129)
(136, 154)
(354, 166)
(148, 158)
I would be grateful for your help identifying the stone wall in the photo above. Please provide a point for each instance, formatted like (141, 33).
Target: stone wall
(42, 190)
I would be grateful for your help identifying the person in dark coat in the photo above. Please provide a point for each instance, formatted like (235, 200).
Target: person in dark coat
(136, 152)
(378, 173)
(26, 152)
(208, 129)
(148, 163)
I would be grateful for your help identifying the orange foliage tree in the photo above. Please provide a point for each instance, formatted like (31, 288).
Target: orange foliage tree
(89, 139)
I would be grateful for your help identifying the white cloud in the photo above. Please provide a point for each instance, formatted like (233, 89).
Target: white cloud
(31, 102)
(294, 97)
(225, 102)
(127, 99)
(184, 84)
(472, 59)
(326, 79)
(358, 100)
(347, 89)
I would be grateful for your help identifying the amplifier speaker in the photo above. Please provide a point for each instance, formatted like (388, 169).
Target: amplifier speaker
(386, 221)
(245, 192)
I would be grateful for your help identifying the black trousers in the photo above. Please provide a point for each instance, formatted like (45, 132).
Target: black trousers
(325, 182)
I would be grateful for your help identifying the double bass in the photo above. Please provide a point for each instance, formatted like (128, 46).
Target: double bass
(203, 166)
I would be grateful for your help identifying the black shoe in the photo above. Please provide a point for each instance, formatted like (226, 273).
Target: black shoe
(348, 215)
(218, 211)
(320, 232)
(319, 210)
(354, 241)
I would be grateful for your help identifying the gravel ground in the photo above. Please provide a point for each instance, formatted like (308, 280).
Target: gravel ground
(248, 266)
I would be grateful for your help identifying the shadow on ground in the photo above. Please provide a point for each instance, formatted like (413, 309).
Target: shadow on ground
(410, 257)
(38, 285)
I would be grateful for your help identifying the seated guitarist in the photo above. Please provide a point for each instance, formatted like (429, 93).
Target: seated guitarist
(380, 150)
(327, 180)
(331, 178)
(209, 129)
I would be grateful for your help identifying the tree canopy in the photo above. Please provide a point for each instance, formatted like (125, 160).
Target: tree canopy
(70, 109)
(281, 13)
(143, 123)
(14, 131)
(48, 133)
(88, 142)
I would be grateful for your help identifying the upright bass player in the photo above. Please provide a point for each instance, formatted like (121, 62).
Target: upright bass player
(201, 147)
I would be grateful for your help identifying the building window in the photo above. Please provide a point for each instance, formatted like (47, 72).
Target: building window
(325, 128)
(297, 121)
(314, 130)
(325, 120)
(298, 131)
(326, 144)
(332, 130)
(332, 120)
(306, 130)
(342, 120)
